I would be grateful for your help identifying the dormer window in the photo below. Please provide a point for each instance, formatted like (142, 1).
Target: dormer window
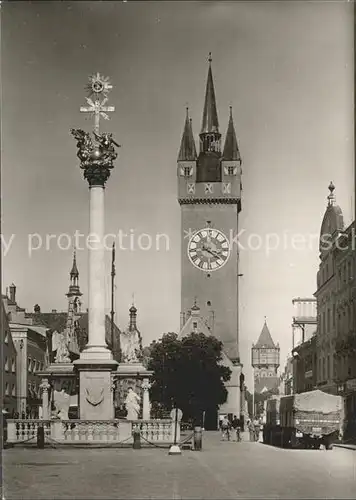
(230, 170)
(186, 171)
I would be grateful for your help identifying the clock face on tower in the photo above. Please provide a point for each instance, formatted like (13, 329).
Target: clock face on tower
(208, 249)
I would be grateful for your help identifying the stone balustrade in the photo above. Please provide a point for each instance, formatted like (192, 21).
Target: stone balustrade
(92, 431)
(22, 431)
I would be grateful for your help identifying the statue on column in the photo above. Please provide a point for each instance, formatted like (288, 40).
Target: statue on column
(132, 405)
(130, 347)
(60, 345)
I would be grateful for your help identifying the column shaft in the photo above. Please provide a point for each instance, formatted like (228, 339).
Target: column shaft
(96, 334)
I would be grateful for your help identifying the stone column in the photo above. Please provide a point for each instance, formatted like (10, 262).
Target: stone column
(96, 361)
(146, 399)
(45, 386)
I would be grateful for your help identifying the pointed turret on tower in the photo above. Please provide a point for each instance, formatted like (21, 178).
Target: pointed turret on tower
(231, 149)
(187, 150)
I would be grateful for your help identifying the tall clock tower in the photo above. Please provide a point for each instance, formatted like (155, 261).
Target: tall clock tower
(209, 193)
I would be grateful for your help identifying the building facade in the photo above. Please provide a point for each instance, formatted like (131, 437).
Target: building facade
(305, 366)
(336, 299)
(265, 360)
(30, 342)
(9, 381)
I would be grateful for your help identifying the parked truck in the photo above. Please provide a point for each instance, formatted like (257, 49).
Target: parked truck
(306, 420)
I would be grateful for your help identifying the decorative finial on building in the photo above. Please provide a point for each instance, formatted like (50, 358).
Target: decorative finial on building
(210, 58)
(331, 197)
(133, 299)
(133, 314)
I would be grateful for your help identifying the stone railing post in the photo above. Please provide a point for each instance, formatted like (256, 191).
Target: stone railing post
(45, 386)
(57, 430)
(11, 431)
(146, 399)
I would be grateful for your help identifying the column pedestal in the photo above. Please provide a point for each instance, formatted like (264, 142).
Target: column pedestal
(96, 396)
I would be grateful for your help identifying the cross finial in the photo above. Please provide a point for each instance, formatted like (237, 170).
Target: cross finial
(98, 86)
(265, 319)
(210, 58)
(195, 301)
(133, 299)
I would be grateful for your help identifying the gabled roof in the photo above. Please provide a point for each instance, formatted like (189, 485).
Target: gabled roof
(201, 327)
(189, 327)
(265, 339)
(55, 321)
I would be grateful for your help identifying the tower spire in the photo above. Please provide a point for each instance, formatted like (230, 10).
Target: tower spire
(74, 278)
(210, 123)
(187, 151)
(231, 149)
(74, 272)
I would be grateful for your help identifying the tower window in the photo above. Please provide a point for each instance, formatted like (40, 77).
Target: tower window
(230, 170)
(195, 324)
(208, 303)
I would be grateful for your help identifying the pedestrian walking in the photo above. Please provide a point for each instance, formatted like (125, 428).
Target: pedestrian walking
(236, 425)
(257, 427)
(225, 428)
(251, 430)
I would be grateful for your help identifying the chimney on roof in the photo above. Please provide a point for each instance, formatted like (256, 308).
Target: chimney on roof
(54, 310)
(37, 309)
(13, 293)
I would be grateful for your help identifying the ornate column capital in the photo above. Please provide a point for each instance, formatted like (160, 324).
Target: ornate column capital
(45, 385)
(145, 385)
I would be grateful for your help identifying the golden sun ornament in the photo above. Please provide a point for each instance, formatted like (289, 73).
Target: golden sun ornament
(98, 84)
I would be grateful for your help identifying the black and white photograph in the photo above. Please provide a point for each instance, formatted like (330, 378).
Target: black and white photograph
(178, 249)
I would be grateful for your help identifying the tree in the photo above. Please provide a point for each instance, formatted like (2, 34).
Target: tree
(188, 373)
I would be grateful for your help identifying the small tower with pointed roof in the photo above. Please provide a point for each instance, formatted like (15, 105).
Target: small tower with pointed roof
(265, 361)
(74, 307)
(74, 290)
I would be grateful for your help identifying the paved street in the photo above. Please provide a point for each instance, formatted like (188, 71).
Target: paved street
(222, 470)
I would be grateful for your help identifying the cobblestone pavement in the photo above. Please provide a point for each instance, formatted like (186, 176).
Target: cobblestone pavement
(222, 470)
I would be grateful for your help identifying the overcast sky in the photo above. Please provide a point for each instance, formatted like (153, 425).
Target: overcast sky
(287, 70)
